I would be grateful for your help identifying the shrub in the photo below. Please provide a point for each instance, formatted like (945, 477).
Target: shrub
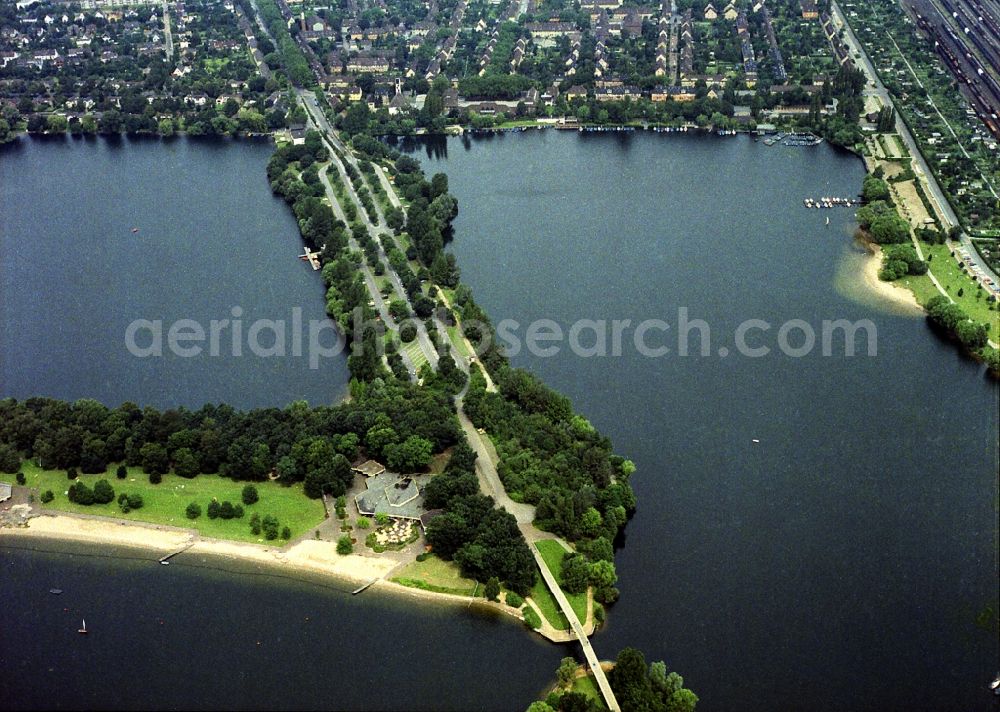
(423, 556)
(213, 509)
(344, 545)
(492, 590)
(135, 501)
(122, 472)
(514, 600)
(606, 594)
(71, 473)
(407, 332)
(226, 510)
(270, 526)
(364, 522)
(103, 492)
(47, 496)
(193, 510)
(250, 495)
(286, 533)
(598, 613)
(81, 494)
(238, 511)
(21, 479)
(155, 478)
(531, 618)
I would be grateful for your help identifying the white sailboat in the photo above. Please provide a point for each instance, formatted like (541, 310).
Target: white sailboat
(83, 630)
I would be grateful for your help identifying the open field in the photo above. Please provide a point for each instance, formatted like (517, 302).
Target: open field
(434, 574)
(952, 278)
(165, 503)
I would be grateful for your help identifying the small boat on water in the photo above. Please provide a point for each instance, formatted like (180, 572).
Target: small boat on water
(164, 563)
(827, 219)
(995, 685)
(135, 230)
(55, 591)
(83, 630)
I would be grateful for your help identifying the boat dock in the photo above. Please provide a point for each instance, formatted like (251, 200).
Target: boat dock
(361, 588)
(312, 258)
(166, 559)
(829, 202)
(793, 139)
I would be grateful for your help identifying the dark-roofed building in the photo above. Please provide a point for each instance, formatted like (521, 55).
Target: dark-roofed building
(395, 495)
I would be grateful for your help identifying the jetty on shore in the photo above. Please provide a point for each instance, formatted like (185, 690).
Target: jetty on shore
(312, 258)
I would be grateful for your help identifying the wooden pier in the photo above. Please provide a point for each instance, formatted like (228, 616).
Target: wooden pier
(166, 559)
(312, 258)
(359, 589)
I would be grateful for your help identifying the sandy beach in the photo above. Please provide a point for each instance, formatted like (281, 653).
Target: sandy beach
(313, 556)
(887, 290)
(306, 556)
(856, 277)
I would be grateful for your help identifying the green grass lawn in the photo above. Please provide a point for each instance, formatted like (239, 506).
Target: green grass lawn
(588, 686)
(952, 278)
(455, 334)
(546, 603)
(435, 574)
(518, 123)
(165, 503)
(552, 552)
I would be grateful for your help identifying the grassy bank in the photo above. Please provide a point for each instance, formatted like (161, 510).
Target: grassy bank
(586, 685)
(434, 574)
(973, 298)
(552, 553)
(546, 603)
(166, 502)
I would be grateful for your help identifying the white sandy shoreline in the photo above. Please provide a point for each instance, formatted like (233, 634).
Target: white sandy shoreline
(887, 290)
(310, 556)
(304, 557)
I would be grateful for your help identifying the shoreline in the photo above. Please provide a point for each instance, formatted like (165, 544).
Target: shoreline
(898, 295)
(304, 558)
(306, 555)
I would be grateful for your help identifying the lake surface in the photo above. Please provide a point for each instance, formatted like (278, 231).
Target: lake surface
(837, 564)
(210, 238)
(207, 633)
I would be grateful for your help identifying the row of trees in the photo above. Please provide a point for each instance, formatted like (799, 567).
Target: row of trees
(952, 318)
(298, 443)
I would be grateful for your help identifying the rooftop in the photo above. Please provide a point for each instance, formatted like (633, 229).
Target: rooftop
(393, 494)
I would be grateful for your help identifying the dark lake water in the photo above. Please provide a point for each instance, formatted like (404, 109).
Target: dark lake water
(207, 633)
(838, 564)
(211, 238)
